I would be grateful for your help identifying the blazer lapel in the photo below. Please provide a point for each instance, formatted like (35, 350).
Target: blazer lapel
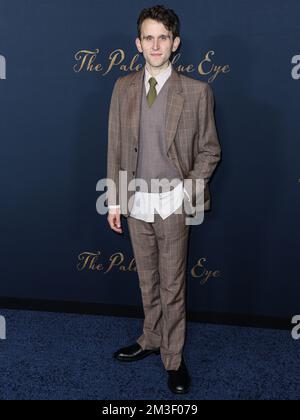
(174, 108)
(134, 102)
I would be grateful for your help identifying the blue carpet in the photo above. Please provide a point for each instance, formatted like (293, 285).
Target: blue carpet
(69, 357)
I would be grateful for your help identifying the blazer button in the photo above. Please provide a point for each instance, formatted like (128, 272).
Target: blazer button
(136, 149)
(133, 173)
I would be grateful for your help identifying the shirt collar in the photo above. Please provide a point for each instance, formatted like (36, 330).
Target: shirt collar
(161, 77)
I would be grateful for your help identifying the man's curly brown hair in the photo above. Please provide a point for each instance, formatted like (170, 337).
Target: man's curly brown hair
(161, 14)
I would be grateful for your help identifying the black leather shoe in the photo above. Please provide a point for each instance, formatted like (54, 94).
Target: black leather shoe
(133, 353)
(179, 380)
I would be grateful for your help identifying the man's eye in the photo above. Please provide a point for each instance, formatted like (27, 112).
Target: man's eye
(163, 38)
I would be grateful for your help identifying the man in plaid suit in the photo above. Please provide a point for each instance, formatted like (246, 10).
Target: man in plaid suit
(161, 126)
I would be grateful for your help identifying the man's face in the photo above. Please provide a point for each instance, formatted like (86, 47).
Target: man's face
(156, 43)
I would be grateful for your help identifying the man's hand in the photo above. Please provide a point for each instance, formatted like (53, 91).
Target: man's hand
(114, 220)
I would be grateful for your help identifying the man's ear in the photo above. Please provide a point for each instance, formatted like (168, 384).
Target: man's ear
(138, 45)
(176, 43)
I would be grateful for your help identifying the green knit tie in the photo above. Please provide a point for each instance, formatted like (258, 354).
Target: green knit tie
(152, 94)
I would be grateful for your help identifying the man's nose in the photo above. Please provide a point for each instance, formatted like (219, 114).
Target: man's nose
(156, 45)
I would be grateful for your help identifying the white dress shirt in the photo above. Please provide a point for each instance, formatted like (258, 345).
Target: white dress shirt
(145, 204)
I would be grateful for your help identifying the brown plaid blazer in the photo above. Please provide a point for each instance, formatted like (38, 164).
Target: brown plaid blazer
(191, 136)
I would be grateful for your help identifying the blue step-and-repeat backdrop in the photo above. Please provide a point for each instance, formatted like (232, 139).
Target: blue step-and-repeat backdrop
(59, 61)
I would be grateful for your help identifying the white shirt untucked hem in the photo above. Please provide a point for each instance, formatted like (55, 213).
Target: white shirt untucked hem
(165, 204)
